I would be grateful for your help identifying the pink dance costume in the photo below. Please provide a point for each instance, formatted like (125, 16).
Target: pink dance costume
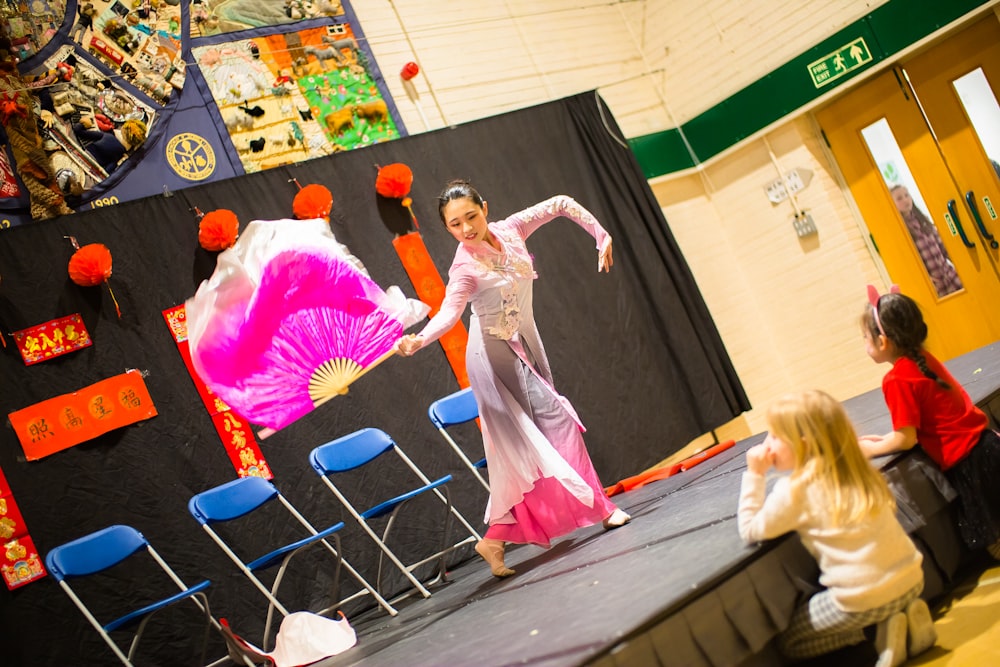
(542, 481)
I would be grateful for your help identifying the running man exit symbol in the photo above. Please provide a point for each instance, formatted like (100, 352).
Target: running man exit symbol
(834, 65)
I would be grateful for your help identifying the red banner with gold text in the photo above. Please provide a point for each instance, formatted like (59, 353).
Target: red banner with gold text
(64, 421)
(234, 430)
(52, 339)
(19, 561)
(240, 444)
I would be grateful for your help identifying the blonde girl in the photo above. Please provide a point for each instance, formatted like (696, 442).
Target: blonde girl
(844, 513)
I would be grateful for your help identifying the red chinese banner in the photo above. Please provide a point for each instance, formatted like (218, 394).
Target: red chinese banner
(213, 403)
(11, 521)
(64, 421)
(52, 339)
(20, 562)
(177, 321)
(430, 289)
(233, 429)
(240, 445)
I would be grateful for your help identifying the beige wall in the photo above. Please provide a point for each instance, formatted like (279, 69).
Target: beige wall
(709, 50)
(787, 308)
(656, 62)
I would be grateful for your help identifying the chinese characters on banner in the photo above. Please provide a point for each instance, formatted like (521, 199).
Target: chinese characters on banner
(233, 429)
(19, 560)
(52, 339)
(64, 421)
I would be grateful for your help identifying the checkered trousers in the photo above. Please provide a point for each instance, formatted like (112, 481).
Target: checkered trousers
(819, 626)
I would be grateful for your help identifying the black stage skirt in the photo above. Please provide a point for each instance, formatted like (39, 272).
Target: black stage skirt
(976, 478)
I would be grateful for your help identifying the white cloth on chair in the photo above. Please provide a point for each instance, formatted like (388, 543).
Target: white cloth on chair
(303, 639)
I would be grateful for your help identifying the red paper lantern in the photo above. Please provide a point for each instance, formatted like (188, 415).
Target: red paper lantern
(218, 230)
(312, 201)
(394, 180)
(90, 265)
(409, 71)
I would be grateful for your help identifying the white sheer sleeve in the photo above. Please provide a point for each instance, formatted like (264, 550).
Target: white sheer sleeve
(456, 297)
(533, 217)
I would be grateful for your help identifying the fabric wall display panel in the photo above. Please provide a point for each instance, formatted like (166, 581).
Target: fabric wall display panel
(216, 17)
(84, 115)
(631, 349)
(265, 94)
(187, 149)
(32, 30)
(138, 41)
(97, 99)
(295, 96)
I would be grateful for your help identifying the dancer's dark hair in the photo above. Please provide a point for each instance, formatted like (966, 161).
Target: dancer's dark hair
(458, 189)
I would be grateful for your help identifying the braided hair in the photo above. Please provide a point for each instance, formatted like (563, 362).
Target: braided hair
(458, 189)
(904, 325)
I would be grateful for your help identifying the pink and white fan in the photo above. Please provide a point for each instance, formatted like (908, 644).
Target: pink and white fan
(289, 320)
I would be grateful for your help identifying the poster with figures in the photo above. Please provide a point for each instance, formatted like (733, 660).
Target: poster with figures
(291, 96)
(103, 91)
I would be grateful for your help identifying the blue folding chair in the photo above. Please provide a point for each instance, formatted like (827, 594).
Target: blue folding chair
(452, 410)
(243, 496)
(365, 447)
(104, 549)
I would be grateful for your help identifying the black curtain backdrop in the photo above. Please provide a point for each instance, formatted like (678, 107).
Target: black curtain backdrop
(634, 350)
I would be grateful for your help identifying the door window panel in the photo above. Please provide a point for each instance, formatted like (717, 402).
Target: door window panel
(983, 112)
(910, 204)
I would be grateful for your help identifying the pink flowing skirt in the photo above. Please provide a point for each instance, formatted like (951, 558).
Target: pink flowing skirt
(549, 510)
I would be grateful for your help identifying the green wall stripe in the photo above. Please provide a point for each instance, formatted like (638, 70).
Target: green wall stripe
(662, 152)
(900, 23)
(886, 31)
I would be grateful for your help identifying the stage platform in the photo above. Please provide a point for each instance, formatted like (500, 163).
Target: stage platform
(674, 587)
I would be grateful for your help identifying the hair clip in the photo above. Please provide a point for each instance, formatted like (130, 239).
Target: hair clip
(873, 298)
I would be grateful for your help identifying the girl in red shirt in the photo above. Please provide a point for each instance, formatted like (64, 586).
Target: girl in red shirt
(929, 407)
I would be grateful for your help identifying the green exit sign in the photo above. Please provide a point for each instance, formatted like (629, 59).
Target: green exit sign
(834, 65)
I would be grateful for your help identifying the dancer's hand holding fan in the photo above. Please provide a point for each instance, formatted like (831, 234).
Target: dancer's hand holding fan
(287, 321)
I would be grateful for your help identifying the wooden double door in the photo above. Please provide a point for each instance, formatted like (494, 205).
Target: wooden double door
(919, 147)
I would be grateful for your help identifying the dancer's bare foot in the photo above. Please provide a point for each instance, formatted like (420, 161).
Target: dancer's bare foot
(616, 519)
(492, 552)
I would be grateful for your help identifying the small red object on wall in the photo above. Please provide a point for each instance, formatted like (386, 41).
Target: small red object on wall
(409, 71)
